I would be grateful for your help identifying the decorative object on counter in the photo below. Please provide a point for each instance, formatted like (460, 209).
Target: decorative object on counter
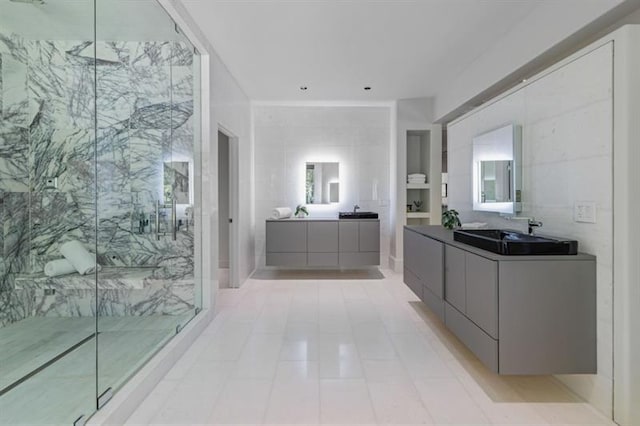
(416, 178)
(301, 211)
(409, 207)
(418, 204)
(450, 219)
(282, 213)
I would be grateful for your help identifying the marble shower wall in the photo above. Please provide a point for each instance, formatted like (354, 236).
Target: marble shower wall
(144, 104)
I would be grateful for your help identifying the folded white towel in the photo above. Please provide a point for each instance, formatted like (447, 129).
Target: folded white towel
(281, 213)
(79, 257)
(58, 267)
(410, 175)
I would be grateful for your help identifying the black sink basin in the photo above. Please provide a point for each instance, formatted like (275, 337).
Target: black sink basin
(508, 242)
(358, 215)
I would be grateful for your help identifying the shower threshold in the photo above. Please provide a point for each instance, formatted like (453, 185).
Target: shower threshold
(41, 367)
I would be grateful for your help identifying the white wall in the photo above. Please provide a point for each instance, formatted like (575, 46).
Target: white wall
(550, 23)
(357, 137)
(567, 121)
(412, 114)
(230, 108)
(626, 176)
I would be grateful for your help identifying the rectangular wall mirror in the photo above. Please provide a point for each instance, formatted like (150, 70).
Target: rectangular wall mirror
(497, 170)
(322, 183)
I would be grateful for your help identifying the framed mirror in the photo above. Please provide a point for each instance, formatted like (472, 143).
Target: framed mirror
(497, 170)
(322, 183)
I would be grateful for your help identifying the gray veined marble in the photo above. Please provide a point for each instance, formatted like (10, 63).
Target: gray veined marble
(108, 180)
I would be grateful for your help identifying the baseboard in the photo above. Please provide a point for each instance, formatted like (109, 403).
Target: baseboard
(126, 400)
(395, 264)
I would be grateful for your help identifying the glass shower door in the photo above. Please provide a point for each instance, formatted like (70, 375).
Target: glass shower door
(146, 165)
(47, 199)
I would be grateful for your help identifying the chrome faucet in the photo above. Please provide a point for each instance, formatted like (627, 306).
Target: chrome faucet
(355, 207)
(533, 223)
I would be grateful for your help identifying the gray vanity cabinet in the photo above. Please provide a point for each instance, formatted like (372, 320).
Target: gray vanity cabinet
(517, 314)
(323, 242)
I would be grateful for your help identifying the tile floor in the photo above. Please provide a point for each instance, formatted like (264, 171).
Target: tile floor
(66, 389)
(344, 352)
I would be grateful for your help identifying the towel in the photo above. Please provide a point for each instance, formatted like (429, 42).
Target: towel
(58, 267)
(416, 175)
(79, 257)
(281, 213)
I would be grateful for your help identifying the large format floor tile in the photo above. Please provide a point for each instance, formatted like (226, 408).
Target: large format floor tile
(306, 349)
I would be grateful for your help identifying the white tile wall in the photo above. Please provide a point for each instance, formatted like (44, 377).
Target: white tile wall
(566, 117)
(286, 137)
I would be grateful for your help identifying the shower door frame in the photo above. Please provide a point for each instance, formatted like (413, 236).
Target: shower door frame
(202, 246)
(131, 395)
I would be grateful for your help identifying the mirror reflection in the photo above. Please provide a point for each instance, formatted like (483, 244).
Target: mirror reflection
(322, 183)
(495, 181)
(497, 170)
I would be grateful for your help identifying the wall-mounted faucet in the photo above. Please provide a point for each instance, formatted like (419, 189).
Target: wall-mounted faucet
(355, 207)
(531, 221)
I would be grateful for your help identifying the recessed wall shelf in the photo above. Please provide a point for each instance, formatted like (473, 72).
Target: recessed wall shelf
(418, 215)
(418, 186)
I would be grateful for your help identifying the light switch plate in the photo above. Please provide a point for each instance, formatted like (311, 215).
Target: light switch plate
(584, 211)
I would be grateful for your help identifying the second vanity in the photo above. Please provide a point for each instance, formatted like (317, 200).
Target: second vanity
(517, 314)
(319, 242)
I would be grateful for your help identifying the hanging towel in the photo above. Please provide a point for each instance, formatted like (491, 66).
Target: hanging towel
(79, 257)
(416, 175)
(58, 267)
(281, 213)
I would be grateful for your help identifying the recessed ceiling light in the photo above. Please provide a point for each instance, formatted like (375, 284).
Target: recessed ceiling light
(303, 87)
(367, 87)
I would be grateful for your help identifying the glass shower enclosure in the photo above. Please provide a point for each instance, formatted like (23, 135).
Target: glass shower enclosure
(99, 151)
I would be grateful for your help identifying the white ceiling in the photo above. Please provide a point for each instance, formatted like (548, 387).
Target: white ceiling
(402, 49)
(116, 20)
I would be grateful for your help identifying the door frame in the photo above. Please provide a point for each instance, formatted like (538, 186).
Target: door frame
(234, 205)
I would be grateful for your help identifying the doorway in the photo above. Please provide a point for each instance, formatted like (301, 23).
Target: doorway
(227, 209)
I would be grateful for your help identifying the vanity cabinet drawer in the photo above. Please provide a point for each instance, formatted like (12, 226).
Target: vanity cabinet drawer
(369, 236)
(359, 259)
(322, 259)
(424, 257)
(348, 236)
(479, 342)
(482, 293)
(286, 259)
(322, 237)
(286, 237)
(413, 282)
(455, 281)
